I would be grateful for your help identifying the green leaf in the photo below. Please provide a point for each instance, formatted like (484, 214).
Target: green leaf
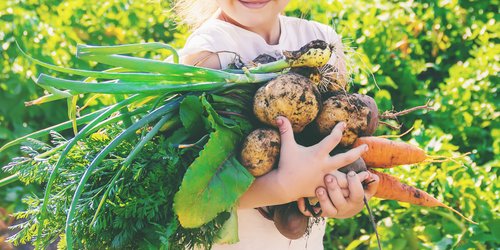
(191, 114)
(214, 182)
(214, 118)
(229, 232)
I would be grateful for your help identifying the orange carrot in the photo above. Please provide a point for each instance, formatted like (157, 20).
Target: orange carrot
(385, 153)
(392, 189)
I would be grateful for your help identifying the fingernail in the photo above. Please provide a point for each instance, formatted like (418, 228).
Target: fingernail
(279, 121)
(342, 125)
(365, 148)
(329, 179)
(352, 174)
(321, 192)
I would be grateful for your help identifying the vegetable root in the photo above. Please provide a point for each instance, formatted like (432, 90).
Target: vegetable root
(385, 153)
(392, 189)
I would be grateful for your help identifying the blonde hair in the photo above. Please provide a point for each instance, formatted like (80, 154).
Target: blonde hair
(195, 12)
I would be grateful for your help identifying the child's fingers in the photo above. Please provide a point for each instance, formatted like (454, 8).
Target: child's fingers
(364, 175)
(345, 193)
(286, 132)
(301, 204)
(335, 193)
(356, 192)
(372, 187)
(340, 160)
(326, 204)
(332, 140)
(341, 178)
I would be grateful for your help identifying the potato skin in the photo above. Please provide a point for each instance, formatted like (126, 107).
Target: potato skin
(290, 95)
(373, 116)
(346, 108)
(260, 151)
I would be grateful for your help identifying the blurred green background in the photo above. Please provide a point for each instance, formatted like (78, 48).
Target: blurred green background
(407, 53)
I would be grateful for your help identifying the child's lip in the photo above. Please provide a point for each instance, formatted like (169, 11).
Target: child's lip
(254, 4)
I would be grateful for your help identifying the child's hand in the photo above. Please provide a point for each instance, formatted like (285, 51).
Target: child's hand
(333, 200)
(301, 169)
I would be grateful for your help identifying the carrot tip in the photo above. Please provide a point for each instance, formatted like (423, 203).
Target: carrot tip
(461, 215)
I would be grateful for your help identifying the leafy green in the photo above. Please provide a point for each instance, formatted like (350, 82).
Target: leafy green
(191, 114)
(215, 180)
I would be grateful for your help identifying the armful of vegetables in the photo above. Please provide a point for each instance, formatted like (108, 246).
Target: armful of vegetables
(159, 166)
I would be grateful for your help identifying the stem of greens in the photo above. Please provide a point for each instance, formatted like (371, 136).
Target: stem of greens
(83, 50)
(62, 158)
(107, 74)
(97, 160)
(129, 159)
(8, 180)
(124, 87)
(58, 127)
(275, 66)
(177, 71)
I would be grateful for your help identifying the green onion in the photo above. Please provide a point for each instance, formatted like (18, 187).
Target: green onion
(126, 87)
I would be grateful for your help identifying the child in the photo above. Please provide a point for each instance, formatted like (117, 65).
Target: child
(228, 30)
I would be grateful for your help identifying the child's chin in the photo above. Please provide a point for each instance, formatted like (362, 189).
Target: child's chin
(252, 21)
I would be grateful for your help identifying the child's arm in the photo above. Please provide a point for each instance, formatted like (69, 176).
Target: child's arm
(205, 59)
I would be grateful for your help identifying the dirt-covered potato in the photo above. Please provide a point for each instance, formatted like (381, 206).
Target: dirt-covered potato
(260, 151)
(373, 116)
(347, 108)
(290, 95)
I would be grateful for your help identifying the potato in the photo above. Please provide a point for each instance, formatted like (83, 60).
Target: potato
(260, 151)
(373, 115)
(290, 95)
(347, 108)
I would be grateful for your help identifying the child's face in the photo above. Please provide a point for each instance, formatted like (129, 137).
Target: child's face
(252, 13)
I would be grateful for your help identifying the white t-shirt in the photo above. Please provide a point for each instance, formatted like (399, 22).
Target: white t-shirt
(255, 231)
(216, 35)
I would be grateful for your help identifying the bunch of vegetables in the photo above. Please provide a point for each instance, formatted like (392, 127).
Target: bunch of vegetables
(313, 115)
(161, 166)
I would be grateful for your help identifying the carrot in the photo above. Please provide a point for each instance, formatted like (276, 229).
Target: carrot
(391, 188)
(385, 153)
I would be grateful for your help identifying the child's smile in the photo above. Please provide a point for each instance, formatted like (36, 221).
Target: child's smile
(254, 4)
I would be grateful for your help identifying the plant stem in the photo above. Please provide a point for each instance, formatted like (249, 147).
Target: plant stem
(394, 115)
(275, 66)
(8, 180)
(62, 158)
(83, 50)
(125, 87)
(58, 127)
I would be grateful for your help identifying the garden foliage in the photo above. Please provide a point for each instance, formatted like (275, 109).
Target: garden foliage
(406, 54)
